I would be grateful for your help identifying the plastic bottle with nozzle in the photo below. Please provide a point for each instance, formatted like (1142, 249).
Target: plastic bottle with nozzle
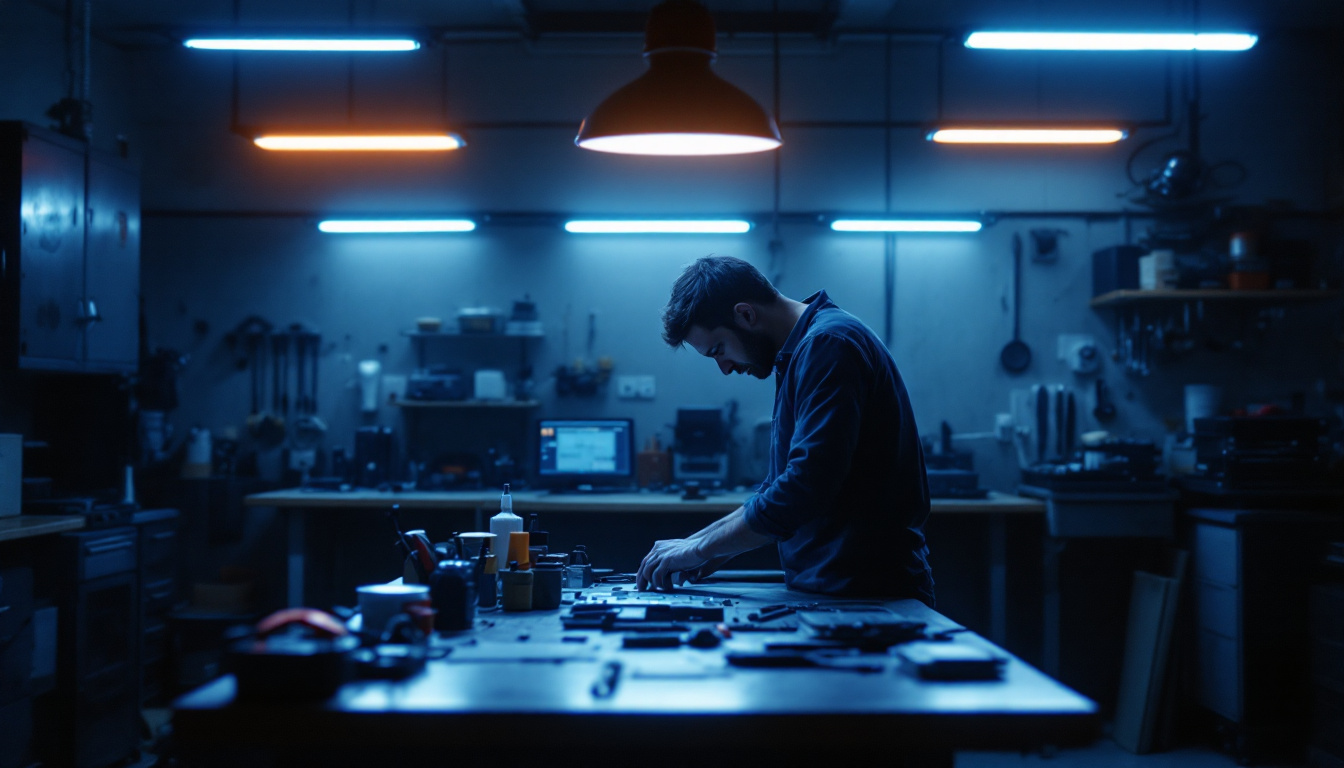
(502, 525)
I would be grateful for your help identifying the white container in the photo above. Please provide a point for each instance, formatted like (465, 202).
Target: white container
(197, 462)
(379, 603)
(1164, 269)
(1147, 273)
(1157, 270)
(368, 385)
(1201, 401)
(502, 525)
(490, 385)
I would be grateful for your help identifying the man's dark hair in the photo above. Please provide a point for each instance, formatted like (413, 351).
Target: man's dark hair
(705, 293)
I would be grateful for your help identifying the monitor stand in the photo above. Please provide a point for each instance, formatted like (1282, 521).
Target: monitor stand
(587, 488)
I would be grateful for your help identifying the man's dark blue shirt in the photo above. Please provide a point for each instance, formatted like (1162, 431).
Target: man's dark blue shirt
(846, 496)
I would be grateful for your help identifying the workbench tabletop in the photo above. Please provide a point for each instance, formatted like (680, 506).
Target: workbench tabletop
(541, 501)
(25, 526)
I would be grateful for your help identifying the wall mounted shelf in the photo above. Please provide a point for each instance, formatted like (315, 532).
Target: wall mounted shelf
(460, 335)
(467, 403)
(1131, 298)
(422, 339)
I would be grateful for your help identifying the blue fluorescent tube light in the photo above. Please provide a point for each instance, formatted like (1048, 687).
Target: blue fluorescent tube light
(905, 225)
(1027, 135)
(664, 226)
(395, 226)
(309, 44)
(1112, 41)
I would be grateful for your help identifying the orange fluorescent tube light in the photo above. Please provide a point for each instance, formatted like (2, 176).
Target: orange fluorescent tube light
(1027, 135)
(407, 142)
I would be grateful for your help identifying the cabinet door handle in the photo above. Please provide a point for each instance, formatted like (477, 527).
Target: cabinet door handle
(4, 264)
(88, 313)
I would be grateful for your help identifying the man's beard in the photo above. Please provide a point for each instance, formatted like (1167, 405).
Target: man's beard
(759, 350)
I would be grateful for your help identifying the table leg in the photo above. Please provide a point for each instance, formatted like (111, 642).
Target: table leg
(998, 578)
(294, 560)
(1050, 586)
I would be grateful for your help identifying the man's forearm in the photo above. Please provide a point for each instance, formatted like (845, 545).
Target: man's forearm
(709, 529)
(729, 535)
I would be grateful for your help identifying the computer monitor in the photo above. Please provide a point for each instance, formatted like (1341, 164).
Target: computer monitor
(585, 454)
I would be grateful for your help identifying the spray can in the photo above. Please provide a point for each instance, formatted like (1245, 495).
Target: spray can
(502, 525)
(487, 578)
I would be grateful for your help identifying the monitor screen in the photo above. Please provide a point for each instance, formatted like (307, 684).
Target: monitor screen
(579, 452)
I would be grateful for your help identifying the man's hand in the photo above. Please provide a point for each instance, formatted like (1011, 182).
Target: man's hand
(666, 558)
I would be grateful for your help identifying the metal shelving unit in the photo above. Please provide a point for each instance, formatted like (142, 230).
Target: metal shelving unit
(1131, 298)
(467, 403)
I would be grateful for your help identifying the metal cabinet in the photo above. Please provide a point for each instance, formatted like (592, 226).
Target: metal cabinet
(112, 265)
(1251, 574)
(69, 254)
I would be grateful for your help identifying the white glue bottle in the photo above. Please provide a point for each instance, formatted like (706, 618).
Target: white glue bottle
(502, 525)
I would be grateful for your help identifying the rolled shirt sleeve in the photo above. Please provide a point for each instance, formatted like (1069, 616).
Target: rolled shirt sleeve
(830, 381)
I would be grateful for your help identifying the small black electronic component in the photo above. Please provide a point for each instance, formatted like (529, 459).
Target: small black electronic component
(651, 640)
(950, 661)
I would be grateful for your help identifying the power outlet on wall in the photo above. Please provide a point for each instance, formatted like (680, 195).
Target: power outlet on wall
(644, 387)
(635, 387)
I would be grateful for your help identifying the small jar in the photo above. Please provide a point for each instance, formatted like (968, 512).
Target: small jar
(546, 585)
(517, 588)
(579, 576)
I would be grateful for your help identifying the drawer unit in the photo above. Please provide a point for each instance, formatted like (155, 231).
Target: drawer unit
(101, 553)
(158, 592)
(16, 632)
(1217, 608)
(1218, 557)
(1253, 570)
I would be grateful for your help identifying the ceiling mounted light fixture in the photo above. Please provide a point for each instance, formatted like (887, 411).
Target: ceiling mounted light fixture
(1112, 41)
(394, 226)
(408, 142)
(658, 226)
(303, 44)
(1026, 135)
(679, 106)
(905, 225)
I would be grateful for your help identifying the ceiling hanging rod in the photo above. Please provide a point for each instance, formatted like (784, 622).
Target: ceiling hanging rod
(556, 219)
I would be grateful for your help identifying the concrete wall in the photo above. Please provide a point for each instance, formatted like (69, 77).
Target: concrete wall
(1272, 110)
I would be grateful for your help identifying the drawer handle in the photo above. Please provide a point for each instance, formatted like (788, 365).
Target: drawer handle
(161, 535)
(103, 547)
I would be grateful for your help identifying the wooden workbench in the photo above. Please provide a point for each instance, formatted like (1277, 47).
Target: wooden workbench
(299, 504)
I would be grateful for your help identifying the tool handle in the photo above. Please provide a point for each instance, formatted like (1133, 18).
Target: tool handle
(424, 551)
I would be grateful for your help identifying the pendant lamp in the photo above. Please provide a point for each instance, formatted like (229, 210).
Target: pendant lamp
(679, 106)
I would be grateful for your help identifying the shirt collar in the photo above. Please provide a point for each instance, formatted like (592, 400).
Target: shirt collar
(814, 302)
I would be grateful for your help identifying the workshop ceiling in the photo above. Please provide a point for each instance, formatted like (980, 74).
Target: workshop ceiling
(160, 22)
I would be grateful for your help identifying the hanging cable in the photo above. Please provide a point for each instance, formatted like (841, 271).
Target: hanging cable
(233, 85)
(776, 245)
(889, 242)
(350, 74)
(88, 66)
